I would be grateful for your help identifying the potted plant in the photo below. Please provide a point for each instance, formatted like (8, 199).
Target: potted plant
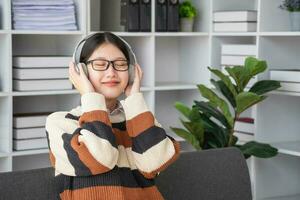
(210, 124)
(293, 6)
(187, 13)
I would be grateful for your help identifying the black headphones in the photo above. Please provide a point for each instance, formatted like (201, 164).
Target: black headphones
(78, 50)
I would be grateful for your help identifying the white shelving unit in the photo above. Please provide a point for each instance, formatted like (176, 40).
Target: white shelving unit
(173, 63)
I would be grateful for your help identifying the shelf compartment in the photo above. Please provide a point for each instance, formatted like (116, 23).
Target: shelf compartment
(287, 172)
(5, 124)
(181, 59)
(5, 62)
(272, 18)
(165, 101)
(5, 164)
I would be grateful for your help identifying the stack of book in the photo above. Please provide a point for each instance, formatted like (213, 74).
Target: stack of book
(29, 131)
(235, 54)
(44, 15)
(33, 73)
(244, 129)
(235, 21)
(289, 78)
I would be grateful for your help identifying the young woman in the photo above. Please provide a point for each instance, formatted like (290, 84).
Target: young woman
(106, 148)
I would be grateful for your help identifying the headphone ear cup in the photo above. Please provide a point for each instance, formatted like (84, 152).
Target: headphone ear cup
(85, 69)
(131, 74)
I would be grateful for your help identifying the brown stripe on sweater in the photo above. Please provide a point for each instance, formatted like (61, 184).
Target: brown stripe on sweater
(95, 115)
(122, 138)
(52, 159)
(84, 155)
(139, 123)
(165, 165)
(112, 193)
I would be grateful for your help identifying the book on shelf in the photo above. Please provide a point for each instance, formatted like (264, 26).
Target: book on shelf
(238, 49)
(290, 75)
(235, 27)
(245, 125)
(27, 144)
(38, 85)
(289, 86)
(28, 133)
(235, 16)
(41, 61)
(29, 120)
(40, 73)
(231, 60)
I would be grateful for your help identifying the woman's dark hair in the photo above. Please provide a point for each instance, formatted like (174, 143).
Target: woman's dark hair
(98, 39)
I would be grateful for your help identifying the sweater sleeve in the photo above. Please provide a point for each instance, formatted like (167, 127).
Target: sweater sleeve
(153, 150)
(85, 147)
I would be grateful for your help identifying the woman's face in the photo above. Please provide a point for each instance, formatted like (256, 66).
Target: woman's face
(98, 78)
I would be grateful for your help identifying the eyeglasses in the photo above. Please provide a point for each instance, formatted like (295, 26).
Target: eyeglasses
(102, 64)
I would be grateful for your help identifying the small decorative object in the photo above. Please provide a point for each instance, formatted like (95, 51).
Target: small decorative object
(293, 6)
(187, 13)
(210, 124)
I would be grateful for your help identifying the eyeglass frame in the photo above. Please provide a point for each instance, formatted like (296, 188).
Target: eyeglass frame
(109, 62)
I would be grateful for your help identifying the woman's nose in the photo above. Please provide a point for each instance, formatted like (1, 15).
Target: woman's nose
(110, 69)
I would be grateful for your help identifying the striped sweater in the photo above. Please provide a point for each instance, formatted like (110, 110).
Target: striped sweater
(99, 155)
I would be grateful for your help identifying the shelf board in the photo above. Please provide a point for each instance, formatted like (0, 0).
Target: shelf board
(50, 92)
(181, 34)
(289, 148)
(175, 85)
(234, 33)
(290, 197)
(280, 33)
(4, 94)
(30, 152)
(37, 32)
(2, 154)
(288, 93)
(4, 31)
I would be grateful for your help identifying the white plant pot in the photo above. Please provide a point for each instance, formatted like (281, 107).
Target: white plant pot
(295, 21)
(186, 24)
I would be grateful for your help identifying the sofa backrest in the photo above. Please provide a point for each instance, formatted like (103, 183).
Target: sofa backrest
(215, 174)
(205, 175)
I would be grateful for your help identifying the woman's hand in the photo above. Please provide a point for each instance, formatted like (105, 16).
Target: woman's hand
(135, 87)
(80, 81)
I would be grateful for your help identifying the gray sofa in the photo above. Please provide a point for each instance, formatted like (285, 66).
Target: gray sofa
(217, 174)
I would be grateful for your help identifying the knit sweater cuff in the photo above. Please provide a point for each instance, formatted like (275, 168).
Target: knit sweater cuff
(93, 101)
(134, 105)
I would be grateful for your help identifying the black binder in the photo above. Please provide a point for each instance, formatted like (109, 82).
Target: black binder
(160, 15)
(145, 15)
(130, 15)
(173, 15)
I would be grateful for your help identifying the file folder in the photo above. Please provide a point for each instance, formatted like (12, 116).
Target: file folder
(173, 15)
(145, 15)
(161, 15)
(130, 15)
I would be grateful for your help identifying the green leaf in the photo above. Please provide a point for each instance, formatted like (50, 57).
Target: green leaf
(237, 73)
(183, 109)
(226, 80)
(252, 67)
(245, 100)
(261, 150)
(262, 87)
(206, 108)
(217, 102)
(225, 91)
(196, 128)
(187, 136)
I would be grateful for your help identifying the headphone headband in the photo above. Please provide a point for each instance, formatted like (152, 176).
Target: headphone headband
(79, 46)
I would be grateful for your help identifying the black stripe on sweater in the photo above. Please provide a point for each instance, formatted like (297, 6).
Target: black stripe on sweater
(101, 130)
(118, 176)
(70, 116)
(120, 125)
(148, 139)
(80, 168)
